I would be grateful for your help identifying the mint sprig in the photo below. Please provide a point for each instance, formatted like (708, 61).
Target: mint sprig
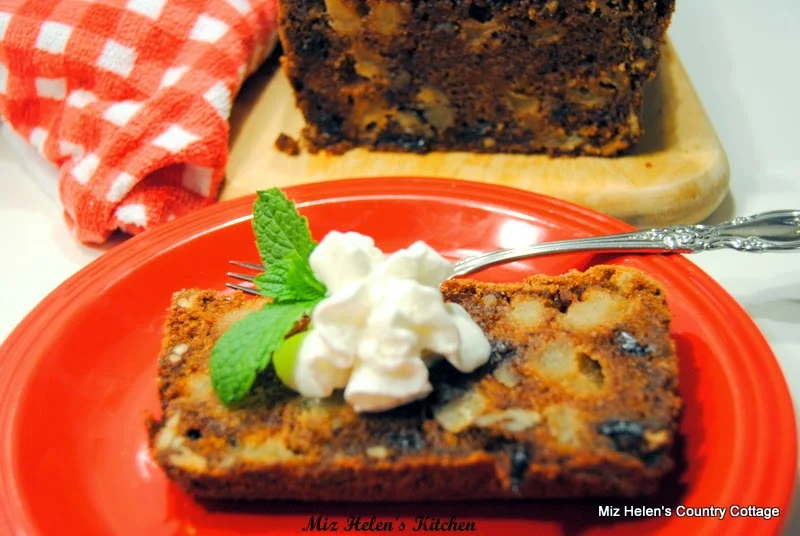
(284, 244)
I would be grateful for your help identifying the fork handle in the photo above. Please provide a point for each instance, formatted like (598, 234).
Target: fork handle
(765, 232)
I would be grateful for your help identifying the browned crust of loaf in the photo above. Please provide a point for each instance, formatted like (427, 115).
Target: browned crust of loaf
(217, 452)
(531, 76)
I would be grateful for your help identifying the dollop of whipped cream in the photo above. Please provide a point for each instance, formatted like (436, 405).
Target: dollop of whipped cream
(381, 324)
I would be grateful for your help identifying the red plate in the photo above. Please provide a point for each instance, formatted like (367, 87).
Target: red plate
(78, 375)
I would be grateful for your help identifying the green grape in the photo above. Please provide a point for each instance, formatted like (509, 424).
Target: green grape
(285, 357)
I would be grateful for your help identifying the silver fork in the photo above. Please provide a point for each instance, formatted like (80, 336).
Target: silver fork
(777, 230)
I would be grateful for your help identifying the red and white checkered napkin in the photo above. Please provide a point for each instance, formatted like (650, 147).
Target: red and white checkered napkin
(130, 99)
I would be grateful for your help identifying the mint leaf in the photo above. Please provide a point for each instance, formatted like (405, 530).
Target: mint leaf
(279, 228)
(246, 348)
(290, 280)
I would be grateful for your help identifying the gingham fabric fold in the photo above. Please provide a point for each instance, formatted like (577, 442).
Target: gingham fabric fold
(130, 99)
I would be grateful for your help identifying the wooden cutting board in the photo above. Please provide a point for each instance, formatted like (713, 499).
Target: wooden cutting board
(678, 173)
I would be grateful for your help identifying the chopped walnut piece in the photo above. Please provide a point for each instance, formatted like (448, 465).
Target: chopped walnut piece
(387, 18)
(369, 115)
(525, 106)
(411, 124)
(436, 108)
(342, 18)
(368, 63)
(477, 33)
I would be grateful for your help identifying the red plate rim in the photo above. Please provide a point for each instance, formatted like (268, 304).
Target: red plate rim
(772, 487)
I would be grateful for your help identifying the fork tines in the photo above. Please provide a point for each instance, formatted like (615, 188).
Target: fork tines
(248, 265)
(244, 277)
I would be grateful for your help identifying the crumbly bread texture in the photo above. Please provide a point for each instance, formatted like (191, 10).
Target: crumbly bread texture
(521, 76)
(579, 399)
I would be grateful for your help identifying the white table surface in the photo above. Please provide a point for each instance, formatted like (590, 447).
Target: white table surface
(744, 59)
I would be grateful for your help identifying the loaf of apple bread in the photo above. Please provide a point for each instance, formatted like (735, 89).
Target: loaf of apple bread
(518, 76)
(579, 398)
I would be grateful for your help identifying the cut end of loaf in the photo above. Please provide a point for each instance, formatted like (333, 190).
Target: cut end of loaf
(556, 77)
